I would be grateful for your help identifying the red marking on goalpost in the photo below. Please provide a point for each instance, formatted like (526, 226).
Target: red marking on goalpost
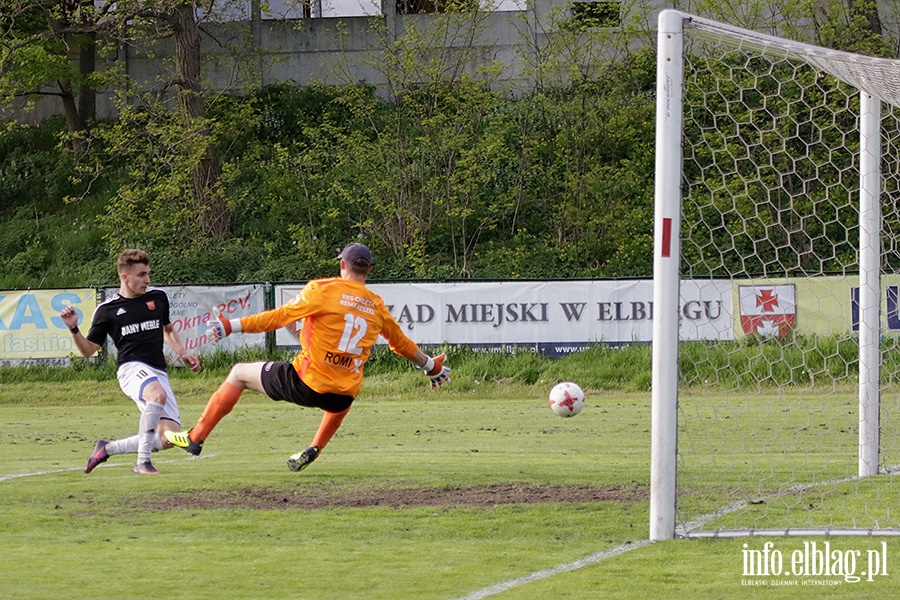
(666, 238)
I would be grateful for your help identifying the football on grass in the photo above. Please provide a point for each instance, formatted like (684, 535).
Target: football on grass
(566, 399)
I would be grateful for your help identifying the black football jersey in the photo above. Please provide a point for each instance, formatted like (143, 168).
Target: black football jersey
(135, 326)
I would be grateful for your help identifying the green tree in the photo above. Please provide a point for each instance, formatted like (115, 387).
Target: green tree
(48, 48)
(415, 186)
(51, 47)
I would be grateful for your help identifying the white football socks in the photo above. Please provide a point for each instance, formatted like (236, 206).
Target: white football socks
(130, 445)
(147, 429)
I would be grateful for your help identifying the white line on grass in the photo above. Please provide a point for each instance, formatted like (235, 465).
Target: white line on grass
(51, 472)
(685, 530)
(558, 570)
(592, 559)
(597, 557)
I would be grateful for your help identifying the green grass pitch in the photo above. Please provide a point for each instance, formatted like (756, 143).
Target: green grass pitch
(237, 524)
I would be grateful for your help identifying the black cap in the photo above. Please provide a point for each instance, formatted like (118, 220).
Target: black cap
(357, 255)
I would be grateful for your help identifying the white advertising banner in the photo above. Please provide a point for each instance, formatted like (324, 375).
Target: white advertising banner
(550, 317)
(191, 308)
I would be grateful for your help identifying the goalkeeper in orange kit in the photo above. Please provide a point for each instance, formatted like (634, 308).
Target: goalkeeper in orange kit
(342, 319)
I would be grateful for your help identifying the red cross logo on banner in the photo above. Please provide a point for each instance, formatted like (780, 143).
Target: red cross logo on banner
(769, 310)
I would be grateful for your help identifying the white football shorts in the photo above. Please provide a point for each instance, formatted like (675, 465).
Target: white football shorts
(135, 376)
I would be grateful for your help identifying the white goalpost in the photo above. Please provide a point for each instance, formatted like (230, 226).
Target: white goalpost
(775, 172)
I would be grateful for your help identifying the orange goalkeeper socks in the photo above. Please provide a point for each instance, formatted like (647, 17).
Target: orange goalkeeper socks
(331, 422)
(219, 405)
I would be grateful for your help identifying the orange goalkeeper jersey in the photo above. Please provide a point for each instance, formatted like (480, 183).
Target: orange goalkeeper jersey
(342, 319)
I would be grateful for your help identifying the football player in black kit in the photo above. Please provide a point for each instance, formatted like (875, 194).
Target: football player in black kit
(137, 320)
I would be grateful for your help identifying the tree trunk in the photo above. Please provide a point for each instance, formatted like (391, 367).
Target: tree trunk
(212, 210)
(869, 10)
(80, 48)
(74, 121)
(87, 64)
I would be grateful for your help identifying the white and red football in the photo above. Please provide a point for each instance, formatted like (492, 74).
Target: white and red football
(566, 399)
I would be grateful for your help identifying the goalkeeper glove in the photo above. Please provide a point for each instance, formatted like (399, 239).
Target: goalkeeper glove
(221, 327)
(437, 371)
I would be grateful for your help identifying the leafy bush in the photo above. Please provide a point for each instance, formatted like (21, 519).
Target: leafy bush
(34, 169)
(451, 181)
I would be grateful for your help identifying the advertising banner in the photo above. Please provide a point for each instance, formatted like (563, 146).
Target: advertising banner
(550, 317)
(890, 305)
(806, 305)
(30, 327)
(553, 318)
(191, 308)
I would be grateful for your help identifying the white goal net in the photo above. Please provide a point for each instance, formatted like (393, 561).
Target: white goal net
(777, 175)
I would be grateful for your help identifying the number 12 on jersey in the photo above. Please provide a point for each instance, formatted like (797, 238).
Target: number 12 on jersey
(355, 328)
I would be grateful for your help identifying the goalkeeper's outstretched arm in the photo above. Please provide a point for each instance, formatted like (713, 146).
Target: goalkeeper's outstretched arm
(433, 367)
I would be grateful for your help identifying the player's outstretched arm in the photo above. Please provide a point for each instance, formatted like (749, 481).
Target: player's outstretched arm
(437, 371)
(285, 315)
(174, 341)
(220, 327)
(86, 347)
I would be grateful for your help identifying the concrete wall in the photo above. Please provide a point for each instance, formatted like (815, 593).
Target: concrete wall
(244, 55)
(241, 56)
